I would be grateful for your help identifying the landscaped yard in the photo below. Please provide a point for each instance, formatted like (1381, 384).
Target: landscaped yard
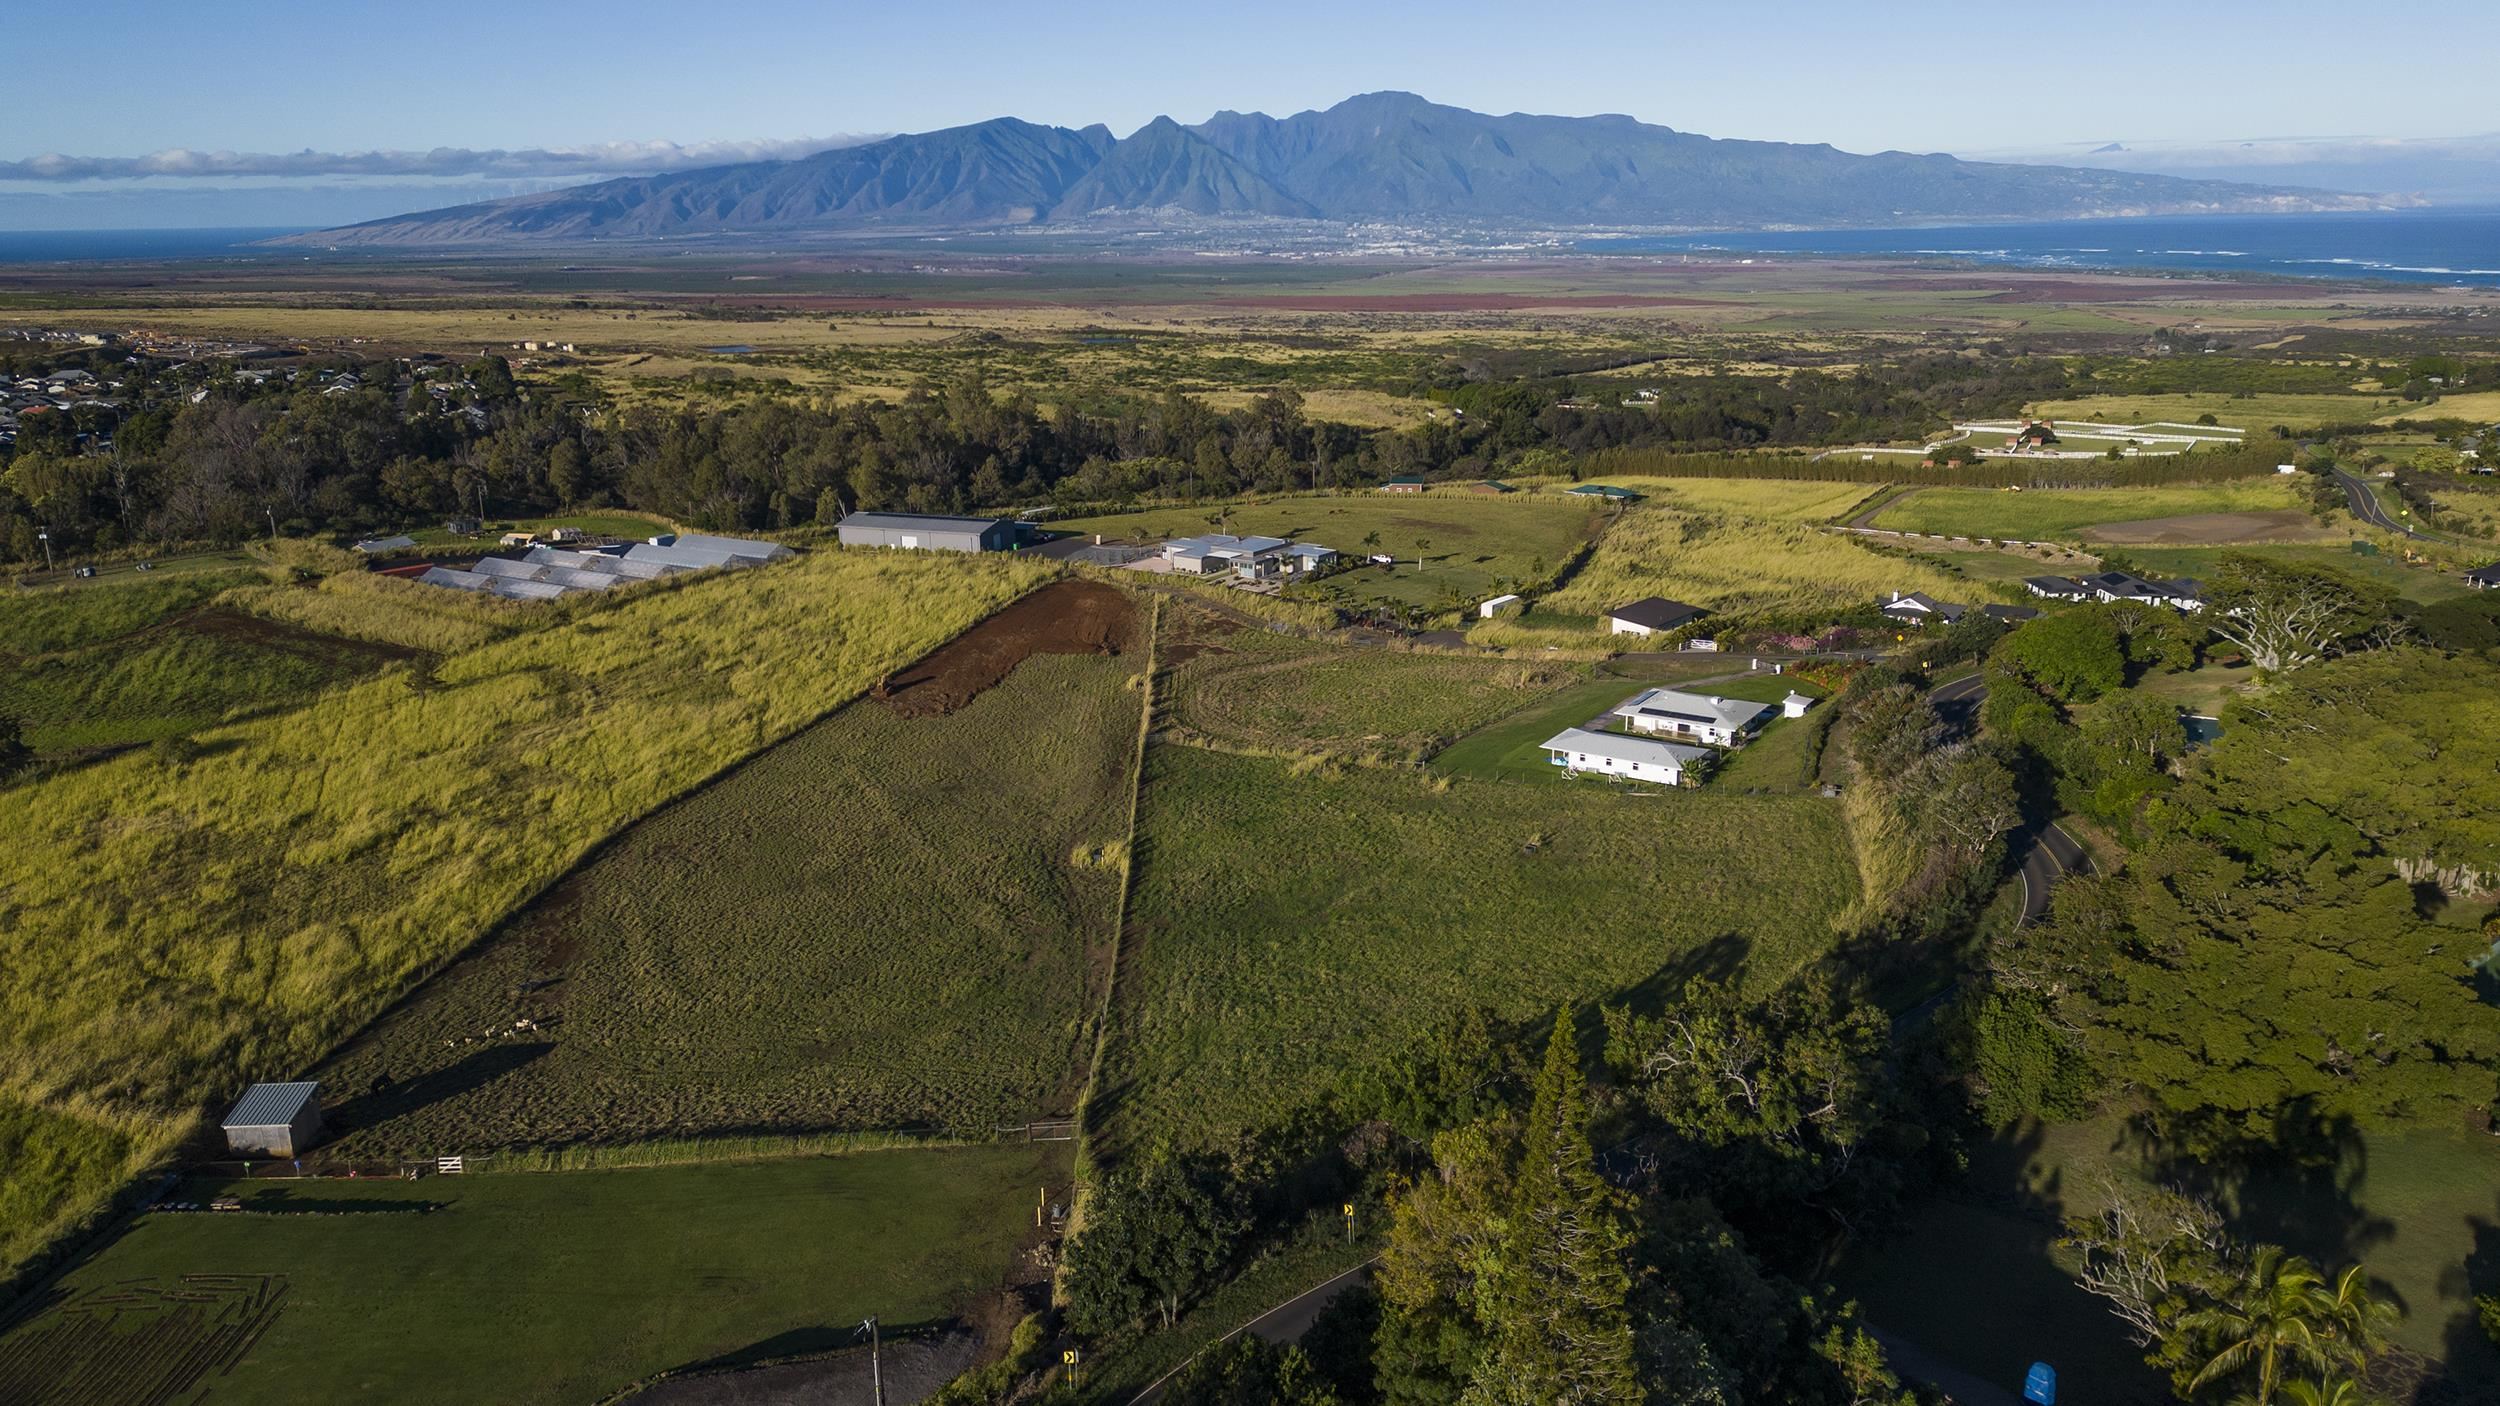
(527, 1287)
(1288, 928)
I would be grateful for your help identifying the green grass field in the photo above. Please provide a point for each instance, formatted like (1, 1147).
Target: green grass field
(629, 526)
(537, 1287)
(806, 945)
(1733, 565)
(174, 678)
(1773, 500)
(1273, 694)
(1289, 927)
(2419, 582)
(178, 927)
(2254, 413)
(2036, 514)
(1471, 547)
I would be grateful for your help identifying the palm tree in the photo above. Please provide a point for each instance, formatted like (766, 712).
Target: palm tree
(2325, 1391)
(2278, 1315)
(2359, 1318)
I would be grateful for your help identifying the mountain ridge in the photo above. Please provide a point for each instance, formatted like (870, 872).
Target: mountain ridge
(1375, 157)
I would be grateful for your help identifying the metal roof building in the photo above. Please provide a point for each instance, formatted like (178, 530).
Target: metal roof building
(926, 532)
(1706, 716)
(1634, 758)
(279, 1120)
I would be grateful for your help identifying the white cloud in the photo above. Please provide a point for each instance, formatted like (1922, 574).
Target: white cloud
(583, 162)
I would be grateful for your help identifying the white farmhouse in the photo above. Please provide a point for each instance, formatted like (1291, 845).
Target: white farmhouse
(1633, 758)
(1696, 717)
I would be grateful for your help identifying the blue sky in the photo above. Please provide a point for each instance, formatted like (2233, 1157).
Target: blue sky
(130, 79)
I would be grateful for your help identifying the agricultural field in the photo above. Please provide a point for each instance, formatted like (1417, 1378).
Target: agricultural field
(1245, 689)
(2480, 407)
(1291, 924)
(2253, 412)
(521, 1287)
(1734, 565)
(1453, 548)
(2232, 510)
(920, 866)
(332, 856)
(1771, 500)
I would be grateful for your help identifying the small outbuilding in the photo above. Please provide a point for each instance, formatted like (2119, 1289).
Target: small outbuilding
(924, 532)
(1403, 485)
(1500, 605)
(1651, 615)
(372, 546)
(1795, 705)
(275, 1120)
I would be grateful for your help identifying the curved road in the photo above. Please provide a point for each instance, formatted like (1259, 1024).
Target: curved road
(2049, 853)
(2365, 505)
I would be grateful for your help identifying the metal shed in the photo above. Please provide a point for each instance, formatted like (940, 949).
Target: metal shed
(278, 1120)
(927, 533)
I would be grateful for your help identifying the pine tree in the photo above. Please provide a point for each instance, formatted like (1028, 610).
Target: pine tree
(1562, 1327)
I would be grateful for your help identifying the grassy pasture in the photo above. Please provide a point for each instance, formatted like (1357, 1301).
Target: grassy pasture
(563, 1287)
(2036, 514)
(1289, 926)
(2253, 412)
(171, 681)
(66, 617)
(1734, 564)
(2482, 407)
(1773, 500)
(172, 929)
(808, 944)
(2419, 582)
(1474, 542)
(1286, 696)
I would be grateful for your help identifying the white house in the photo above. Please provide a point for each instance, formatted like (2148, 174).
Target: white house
(1918, 607)
(1699, 717)
(1633, 758)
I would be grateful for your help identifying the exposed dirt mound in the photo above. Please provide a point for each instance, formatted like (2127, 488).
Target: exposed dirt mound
(2199, 529)
(1066, 617)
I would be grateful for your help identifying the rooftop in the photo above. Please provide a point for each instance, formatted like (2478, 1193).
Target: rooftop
(270, 1105)
(906, 522)
(1697, 707)
(1617, 747)
(1655, 613)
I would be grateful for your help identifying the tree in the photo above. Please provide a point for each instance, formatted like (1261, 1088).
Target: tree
(1247, 1371)
(1966, 799)
(2284, 615)
(1558, 1298)
(1891, 729)
(2136, 731)
(2073, 655)
(1152, 1236)
(568, 471)
(2146, 1252)
(2276, 1318)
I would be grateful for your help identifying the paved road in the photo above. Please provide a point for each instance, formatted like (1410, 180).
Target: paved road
(2366, 506)
(1285, 1323)
(2048, 852)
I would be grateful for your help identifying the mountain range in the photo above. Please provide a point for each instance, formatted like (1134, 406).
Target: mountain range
(1380, 157)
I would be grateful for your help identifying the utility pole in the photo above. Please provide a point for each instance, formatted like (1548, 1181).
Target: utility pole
(876, 1364)
(45, 534)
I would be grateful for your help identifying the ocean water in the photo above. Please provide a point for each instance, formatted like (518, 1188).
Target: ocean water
(48, 246)
(2438, 247)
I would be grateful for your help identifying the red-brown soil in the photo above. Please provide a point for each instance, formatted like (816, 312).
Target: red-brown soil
(1066, 617)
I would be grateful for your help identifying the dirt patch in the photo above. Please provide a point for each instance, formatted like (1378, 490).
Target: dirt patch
(2165, 290)
(2200, 529)
(1190, 632)
(1066, 617)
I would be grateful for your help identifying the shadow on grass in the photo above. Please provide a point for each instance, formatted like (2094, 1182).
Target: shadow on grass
(385, 1099)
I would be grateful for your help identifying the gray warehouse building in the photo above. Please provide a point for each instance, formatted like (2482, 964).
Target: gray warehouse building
(931, 534)
(277, 1120)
